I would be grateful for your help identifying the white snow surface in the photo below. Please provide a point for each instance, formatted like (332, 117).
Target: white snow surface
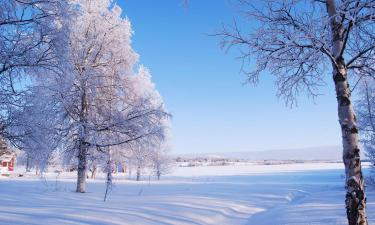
(293, 194)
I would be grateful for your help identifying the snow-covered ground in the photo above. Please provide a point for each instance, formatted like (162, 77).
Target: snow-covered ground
(295, 194)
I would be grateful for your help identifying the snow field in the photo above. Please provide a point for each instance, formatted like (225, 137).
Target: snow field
(293, 194)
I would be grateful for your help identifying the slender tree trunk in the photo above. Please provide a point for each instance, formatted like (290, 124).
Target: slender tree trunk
(93, 173)
(83, 145)
(123, 167)
(109, 174)
(82, 168)
(138, 173)
(27, 162)
(158, 170)
(116, 168)
(355, 197)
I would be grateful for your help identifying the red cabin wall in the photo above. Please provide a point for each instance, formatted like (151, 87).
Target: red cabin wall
(11, 165)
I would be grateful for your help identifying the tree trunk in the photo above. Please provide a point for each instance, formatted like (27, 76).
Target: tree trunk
(138, 173)
(27, 162)
(158, 170)
(83, 145)
(109, 169)
(115, 168)
(82, 168)
(93, 173)
(355, 197)
(123, 167)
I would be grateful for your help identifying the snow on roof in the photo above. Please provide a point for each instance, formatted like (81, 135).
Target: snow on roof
(7, 156)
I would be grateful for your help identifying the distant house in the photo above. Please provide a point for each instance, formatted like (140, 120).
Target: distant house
(7, 159)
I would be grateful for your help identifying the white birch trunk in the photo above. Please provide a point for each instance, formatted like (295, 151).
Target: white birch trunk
(93, 173)
(138, 173)
(27, 162)
(82, 169)
(158, 174)
(109, 174)
(355, 197)
(83, 146)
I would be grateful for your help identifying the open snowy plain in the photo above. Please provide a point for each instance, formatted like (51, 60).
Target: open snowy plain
(295, 194)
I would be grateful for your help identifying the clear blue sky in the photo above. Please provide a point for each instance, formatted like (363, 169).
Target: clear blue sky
(203, 88)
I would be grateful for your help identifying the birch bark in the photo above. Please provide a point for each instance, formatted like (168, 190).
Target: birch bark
(355, 197)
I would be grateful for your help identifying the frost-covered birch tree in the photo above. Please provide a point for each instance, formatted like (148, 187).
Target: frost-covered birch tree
(98, 41)
(99, 91)
(161, 163)
(27, 29)
(89, 101)
(297, 41)
(365, 108)
(36, 127)
(27, 32)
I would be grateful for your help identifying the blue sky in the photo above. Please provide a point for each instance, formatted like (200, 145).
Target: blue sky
(203, 88)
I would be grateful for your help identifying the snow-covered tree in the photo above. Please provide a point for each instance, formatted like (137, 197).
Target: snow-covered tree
(96, 161)
(93, 86)
(94, 105)
(140, 159)
(365, 108)
(28, 30)
(120, 154)
(161, 163)
(35, 127)
(296, 41)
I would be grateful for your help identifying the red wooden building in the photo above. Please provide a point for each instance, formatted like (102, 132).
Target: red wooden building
(7, 159)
